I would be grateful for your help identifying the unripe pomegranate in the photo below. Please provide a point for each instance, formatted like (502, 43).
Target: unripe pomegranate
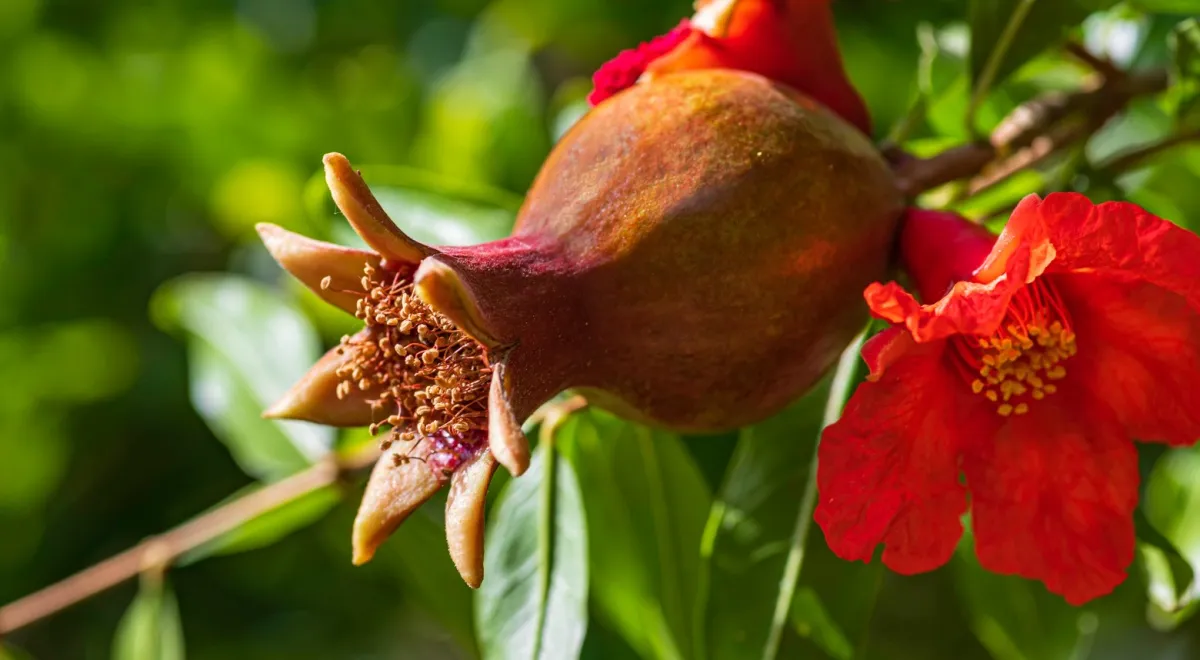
(691, 255)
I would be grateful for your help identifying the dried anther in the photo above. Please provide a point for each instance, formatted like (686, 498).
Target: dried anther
(444, 391)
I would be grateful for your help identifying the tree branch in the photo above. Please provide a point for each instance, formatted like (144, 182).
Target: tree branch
(1027, 136)
(1134, 157)
(158, 552)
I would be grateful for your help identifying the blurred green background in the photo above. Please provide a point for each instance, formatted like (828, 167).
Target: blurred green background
(142, 328)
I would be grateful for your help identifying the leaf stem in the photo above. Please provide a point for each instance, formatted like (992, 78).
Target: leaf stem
(988, 76)
(845, 378)
(158, 552)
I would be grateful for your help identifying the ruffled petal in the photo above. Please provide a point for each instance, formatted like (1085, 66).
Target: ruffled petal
(314, 397)
(789, 41)
(885, 349)
(969, 308)
(973, 305)
(1139, 351)
(1115, 238)
(1052, 496)
(888, 470)
(312, 262)
(623, 71)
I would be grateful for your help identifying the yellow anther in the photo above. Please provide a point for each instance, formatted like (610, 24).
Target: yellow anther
(1056, 373)
(1021, 409)
(1005, 409)
(985, 371)
(1037, 395)
(977, 386)
(989, 360)
(992, 396)
(1051, 389)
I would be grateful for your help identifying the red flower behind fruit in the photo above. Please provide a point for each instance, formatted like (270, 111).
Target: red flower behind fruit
(1041, 355)
(788, 41)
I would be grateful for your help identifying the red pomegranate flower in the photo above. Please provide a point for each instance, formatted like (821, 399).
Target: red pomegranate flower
(1042, 354)
(789, 41)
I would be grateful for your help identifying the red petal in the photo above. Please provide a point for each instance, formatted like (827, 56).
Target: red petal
(888, 470)
(1114, 238)
(622, 71)
(938, 250)
(790, 41)
(1139, 351)
(885, 349)
(969, 308)
(1052, 496)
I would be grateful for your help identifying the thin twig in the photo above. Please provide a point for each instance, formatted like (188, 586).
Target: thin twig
(1134, 157)
(1100, 65)
(988, 76)
(1027, 136)
(158, 552)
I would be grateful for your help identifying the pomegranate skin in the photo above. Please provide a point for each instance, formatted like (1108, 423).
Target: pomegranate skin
(692, 254)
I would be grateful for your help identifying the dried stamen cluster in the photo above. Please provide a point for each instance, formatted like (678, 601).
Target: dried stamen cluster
(431, 375)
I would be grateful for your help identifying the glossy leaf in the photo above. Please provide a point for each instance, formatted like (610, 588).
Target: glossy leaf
(1169, 534)
(247, 347)
(533, 603)
(646, 504)
(1017, 619)
(1184, 94)
(151, 628)
(1045, 24)
(1167, 6)
(417, 554)
(751, 527)
(813, 622)
(271, 527)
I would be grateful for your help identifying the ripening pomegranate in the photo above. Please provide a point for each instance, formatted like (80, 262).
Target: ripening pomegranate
(691, 255)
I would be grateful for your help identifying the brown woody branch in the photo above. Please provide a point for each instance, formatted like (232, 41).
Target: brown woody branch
(1029, 135)
(157, 553)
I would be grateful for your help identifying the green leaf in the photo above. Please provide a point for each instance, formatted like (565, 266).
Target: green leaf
(417, 553)
(646, 504)
(751, 526)
(1045, 24)
(533, 604)
(757, 530)
(1180, 571)
(430, 208)
(150, 629)
(1167, 6)
(269, 528)
(813, 622)
(1183, 97)
(1169, 534)
(247, 347)
(12, 653)
(1017, 619)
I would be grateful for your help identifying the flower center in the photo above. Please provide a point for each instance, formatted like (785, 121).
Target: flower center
(1021, 361)
(431, 375)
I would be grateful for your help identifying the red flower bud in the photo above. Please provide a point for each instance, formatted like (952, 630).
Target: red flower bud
(789, 41)
(688, 256)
